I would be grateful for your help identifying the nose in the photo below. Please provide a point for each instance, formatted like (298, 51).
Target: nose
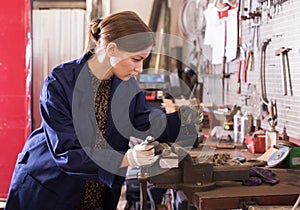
(139, 67)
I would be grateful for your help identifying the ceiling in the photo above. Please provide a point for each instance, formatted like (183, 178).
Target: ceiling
(62, 4)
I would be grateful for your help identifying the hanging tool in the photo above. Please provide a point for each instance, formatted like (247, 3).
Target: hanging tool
(285, 69)
(269, 9)
(272, 118)
(264, 98)
(223, 15)
(249, 8)
(242, 51)
(241, 64)
(240, 15)
(255, 37)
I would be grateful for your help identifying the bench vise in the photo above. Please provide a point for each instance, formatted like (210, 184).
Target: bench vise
(191, 176)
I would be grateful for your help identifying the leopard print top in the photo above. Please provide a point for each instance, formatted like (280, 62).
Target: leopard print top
(94, 192)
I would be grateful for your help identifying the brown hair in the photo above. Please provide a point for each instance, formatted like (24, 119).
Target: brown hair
(126, 29)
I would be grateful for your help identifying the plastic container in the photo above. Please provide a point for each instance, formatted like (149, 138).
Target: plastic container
(294, 157)
(256, 143)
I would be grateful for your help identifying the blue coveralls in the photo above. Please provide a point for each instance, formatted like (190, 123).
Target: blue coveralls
(56, 160)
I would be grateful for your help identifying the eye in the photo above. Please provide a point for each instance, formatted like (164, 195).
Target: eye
(137, 59)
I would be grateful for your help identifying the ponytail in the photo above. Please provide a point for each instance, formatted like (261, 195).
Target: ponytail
(93, 34)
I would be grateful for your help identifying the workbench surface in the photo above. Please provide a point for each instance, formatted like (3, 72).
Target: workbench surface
(232, 194)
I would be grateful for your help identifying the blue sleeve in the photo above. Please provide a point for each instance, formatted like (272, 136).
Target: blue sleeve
(154, 121)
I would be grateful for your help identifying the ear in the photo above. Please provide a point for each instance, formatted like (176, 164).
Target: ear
(111, 49)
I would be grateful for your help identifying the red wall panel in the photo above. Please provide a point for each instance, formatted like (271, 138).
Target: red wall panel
(15, 53)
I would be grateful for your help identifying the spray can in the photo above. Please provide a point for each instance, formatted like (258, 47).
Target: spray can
(237, 127)
(246, 126)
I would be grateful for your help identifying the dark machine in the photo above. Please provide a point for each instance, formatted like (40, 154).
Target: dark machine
(154, 86)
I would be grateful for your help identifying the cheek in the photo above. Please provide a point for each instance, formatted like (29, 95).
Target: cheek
(114, 61)
(122, 68)
(123, 64)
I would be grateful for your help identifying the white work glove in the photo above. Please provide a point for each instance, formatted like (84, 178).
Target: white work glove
(141, 155)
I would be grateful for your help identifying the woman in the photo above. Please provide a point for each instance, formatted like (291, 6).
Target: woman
(90, 107)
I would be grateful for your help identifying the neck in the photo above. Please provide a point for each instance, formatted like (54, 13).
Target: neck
(102, 70)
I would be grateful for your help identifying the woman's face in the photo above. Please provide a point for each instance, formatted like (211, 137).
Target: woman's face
(127, 64)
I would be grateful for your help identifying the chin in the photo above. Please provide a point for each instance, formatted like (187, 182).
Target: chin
(125, 78)
(131, 76)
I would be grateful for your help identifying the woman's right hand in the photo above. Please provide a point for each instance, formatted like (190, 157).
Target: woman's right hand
(141, 155)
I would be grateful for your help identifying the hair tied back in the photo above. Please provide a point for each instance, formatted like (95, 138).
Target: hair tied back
(95, 28)
(98, 21)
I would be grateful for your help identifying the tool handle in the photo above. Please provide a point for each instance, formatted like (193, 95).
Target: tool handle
(245, 71)
(283, 75)
(250, 61)
(239, 72)
(247, 62)
(223, 66)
